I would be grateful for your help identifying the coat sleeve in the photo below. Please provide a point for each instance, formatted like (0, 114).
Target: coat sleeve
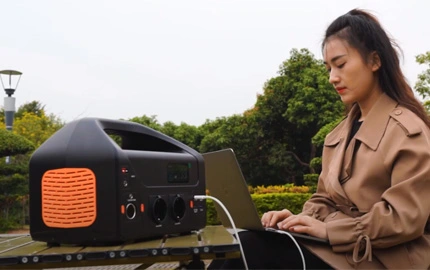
(403, 211)
(320, 205)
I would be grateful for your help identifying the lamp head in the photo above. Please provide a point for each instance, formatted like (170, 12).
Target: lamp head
(10, 73)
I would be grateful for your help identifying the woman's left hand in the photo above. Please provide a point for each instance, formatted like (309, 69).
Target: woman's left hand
(304, 224)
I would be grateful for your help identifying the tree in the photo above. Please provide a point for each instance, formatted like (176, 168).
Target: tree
(34, 107)
(187, 134)
(13, 185)
(12, 144)
(241, 133)
(31, 128)
(422, 86)
(291, 110)
(36, 128)
(149, 121)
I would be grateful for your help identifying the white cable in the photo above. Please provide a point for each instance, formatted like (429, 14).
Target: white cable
(201, 197)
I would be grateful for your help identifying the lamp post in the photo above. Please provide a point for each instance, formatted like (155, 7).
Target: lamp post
(9, 101)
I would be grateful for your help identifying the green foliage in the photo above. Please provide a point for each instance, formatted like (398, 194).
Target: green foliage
(427, 106)
(287, 188)
(266, 202)
(35, 128)
(12, 144)
(32, 126)
(13, 191)
(149, 121)
(34, 107)
(422, 86)
(316, 164)
(13, 185)
(187, 134)
(311, 180)
(273, 140)
(292, 109)
(17, 168)
(211, 213)
(236, 131)
(318, 139)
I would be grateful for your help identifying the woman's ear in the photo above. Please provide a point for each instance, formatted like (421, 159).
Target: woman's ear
(375, 61)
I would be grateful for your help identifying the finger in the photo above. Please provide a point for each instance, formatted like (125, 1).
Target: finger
(265, 219)
(276, 217)
(292, 221)
(271, 218)
(300, 229)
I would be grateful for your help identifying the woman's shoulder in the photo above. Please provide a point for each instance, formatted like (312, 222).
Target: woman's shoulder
(410, 123)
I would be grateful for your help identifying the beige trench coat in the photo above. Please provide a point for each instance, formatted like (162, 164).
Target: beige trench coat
(376, 202)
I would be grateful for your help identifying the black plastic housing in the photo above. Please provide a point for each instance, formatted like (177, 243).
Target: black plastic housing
(133, 180)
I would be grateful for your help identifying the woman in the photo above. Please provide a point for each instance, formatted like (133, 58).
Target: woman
(372, 197)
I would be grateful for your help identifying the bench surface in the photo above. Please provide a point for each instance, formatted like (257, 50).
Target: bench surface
(212, 242)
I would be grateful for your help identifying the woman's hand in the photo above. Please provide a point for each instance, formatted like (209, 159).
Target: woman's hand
(272, 218)
(304, 224)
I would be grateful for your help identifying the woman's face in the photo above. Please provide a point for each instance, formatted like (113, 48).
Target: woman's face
(353, 78)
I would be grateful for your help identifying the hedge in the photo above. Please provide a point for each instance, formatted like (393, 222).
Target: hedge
(265, 202)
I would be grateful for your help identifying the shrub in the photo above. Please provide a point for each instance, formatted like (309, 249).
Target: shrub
(287, 188)
(266, 202)
(316, 164)
(311, 180)
(12, 144)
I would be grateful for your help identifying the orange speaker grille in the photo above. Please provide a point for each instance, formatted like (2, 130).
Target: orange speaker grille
(69, 198)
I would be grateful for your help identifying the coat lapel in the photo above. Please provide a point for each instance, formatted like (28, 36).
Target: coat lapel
(333, 185)
(370, 134)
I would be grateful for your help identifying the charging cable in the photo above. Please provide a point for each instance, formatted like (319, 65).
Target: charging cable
(201, 197)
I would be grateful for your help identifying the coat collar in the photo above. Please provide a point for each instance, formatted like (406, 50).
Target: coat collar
(370, 133)
(373, 128)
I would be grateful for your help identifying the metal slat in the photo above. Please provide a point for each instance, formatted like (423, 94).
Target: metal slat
(6, 243)
(216, 235)
(210, 243)
(26, 249)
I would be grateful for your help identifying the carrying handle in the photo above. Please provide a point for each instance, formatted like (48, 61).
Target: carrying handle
(136, 136)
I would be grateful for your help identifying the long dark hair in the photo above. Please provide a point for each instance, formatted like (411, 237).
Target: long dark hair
(363, 32)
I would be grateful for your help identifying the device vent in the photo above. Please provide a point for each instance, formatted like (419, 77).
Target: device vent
(69, 198)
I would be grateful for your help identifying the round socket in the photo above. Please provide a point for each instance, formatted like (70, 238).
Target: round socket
(159, 209)
(178, 208)
(130, 211)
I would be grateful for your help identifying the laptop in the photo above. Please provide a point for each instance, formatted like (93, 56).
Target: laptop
(225, 181)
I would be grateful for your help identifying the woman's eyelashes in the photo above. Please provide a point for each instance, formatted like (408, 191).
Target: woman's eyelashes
(338, 66)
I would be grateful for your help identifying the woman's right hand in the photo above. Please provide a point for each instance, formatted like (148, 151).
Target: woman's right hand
(272, 218)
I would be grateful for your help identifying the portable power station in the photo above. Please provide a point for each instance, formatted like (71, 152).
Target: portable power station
(99, 181)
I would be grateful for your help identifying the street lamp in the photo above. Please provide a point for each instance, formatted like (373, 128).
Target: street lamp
(9, 101)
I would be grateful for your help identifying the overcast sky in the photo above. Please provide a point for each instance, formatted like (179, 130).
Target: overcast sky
(183, 61)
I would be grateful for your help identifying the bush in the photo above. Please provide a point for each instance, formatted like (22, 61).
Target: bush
(287, 188)
(311, 180)
(266, 202)
(12, 144)
(316, 164)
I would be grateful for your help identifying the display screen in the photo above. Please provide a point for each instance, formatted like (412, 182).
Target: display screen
(178, 173)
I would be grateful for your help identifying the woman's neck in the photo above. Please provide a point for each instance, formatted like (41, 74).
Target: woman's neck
(367, 104)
